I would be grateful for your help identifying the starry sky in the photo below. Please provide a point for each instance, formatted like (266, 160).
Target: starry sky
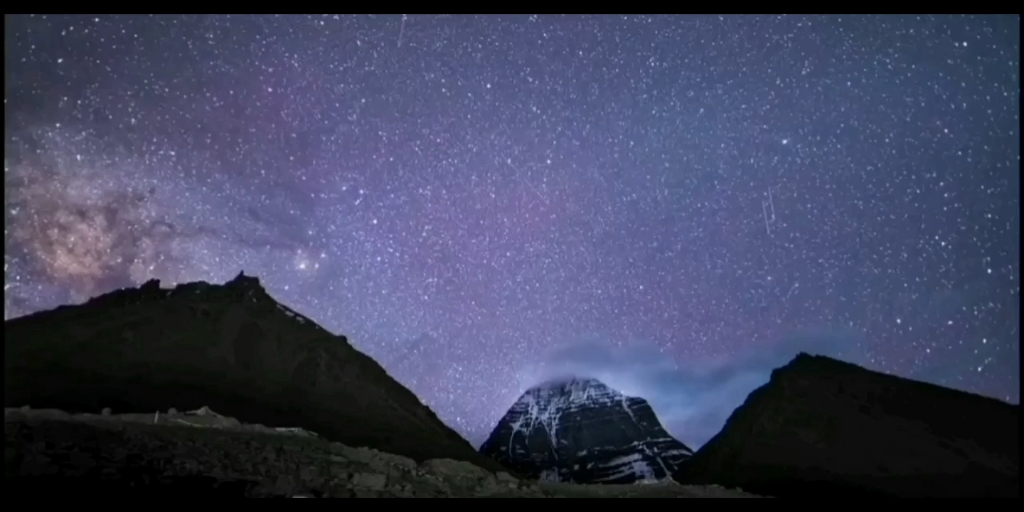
(672, 204)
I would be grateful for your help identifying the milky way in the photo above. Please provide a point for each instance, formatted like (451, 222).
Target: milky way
(672, 204)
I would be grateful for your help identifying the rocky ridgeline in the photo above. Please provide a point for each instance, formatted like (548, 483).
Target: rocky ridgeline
(825, 428)
(203, 454)
(231, 347)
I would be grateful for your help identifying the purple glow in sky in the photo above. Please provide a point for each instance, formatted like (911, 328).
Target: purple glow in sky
(672, 204)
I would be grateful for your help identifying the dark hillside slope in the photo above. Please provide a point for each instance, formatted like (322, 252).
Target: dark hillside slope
(230, 347)
(822, 427)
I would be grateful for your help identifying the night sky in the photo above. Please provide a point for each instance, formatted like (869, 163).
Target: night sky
(674, 205)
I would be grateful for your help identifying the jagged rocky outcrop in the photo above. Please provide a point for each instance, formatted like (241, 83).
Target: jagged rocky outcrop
(822, 427)
(202, 454)
(232, 347)
(582, 431)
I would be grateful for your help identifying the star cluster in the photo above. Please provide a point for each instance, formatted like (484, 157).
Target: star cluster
(463, 195)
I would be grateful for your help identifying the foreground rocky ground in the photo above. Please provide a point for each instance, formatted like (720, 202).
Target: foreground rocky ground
(51, 453)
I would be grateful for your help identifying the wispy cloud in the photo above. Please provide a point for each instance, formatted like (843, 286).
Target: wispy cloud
(692, 398)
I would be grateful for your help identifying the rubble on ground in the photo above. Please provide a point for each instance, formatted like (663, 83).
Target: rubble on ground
(201, 452)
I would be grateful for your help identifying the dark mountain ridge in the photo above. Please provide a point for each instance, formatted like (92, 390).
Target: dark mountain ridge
(231, 347)
(822, 427)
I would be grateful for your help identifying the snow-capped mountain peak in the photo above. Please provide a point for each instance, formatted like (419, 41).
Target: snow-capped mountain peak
(573, 390)
(579, 429)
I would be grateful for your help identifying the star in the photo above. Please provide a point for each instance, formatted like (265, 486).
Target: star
(672, 204)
